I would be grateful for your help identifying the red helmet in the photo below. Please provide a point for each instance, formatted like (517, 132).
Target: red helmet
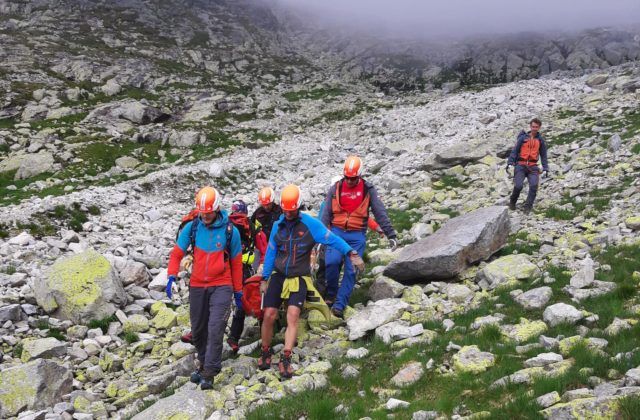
(290, 198)
(207, 200)
(353, 167)
(266, 196)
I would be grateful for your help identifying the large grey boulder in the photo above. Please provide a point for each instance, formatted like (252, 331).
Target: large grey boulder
(460, 154)
(32, 386)
(187, 403)
(462, 241)
(35, 164)
(132, 111)
(375, 314)
(186, 138)
(80, 288)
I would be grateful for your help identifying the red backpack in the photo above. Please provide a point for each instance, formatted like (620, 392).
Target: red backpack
(251, 297)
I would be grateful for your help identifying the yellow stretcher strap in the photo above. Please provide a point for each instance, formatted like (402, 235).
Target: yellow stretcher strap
(313, 299)
(247, 258)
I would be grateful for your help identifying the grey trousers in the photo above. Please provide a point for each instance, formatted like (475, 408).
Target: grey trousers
(532, 174)
(210, 309)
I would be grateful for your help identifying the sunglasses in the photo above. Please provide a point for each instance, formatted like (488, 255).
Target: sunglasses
(351, 179)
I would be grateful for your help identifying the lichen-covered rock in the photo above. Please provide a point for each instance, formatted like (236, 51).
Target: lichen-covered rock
(44, 348)
(471, 359)
(524, 376)
(136, 324)
(633, 222)
(505, 270)
(584, 408)
(187, 403)
(164, 319)
(80, 288)
(32, 386)
(524, 330)
(180, 350)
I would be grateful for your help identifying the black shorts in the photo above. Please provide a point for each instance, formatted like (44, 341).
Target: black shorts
(272, 297)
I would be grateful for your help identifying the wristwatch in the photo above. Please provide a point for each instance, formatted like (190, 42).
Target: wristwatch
(353, 252)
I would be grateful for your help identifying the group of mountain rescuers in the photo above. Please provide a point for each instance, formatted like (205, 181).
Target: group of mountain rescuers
(281, 254)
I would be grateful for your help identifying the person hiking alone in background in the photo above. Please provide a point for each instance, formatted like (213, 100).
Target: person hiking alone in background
(216, 276)
(530, 146)
(287, 271)
(346, 212)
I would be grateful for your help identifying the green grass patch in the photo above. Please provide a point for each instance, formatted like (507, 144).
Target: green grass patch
(199, 39)
(448, 181)
(571, 136)
(520, 244)
(64, 121)
(44, 223)
(17, 351)
(103, 323)
(131, 337)
(7, 123)
(636, 149)
(56, 333)
(629, 407)
(315, 94)
(563, 114)
(404, 219)
(8, 269)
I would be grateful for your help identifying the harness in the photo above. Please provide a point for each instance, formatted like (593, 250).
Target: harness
(228, 233)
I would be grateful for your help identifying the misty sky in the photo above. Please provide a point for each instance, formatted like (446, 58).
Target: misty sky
(429, 18)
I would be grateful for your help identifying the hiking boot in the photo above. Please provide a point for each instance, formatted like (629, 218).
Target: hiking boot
(233, 344)
(196, 376)
(526, 209)
(284, 366)
(187, 338)
(338, 313)
(512, 205)
(206, 383)
(264, 362)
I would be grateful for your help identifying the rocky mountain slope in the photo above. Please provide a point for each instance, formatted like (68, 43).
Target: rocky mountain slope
(110, 123)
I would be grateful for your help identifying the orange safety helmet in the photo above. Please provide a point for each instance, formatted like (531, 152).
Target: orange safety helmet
(290, 198)
(266, 196)
(207, 200)
(353, 167)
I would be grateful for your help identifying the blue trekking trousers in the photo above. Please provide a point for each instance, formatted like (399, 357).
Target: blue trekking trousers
(209, 309)
(333, 261)
(532, 173)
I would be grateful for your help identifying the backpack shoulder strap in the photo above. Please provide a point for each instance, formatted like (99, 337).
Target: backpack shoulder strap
(194, 230)
(228, 235)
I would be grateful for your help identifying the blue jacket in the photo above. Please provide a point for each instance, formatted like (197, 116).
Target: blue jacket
(210, 267)
(522, 137)
(290, 245)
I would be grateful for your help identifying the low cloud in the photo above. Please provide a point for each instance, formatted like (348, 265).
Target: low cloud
(453, 18)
